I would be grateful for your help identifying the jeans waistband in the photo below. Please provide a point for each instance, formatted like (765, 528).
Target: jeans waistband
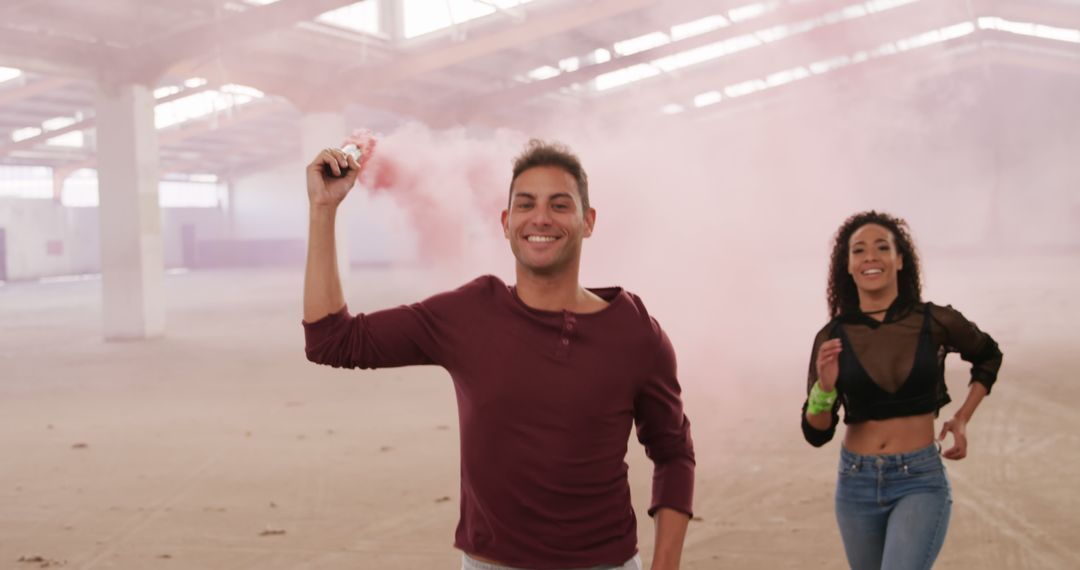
(929, 453)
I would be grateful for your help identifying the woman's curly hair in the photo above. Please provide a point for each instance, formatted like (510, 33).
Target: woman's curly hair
(842, 294)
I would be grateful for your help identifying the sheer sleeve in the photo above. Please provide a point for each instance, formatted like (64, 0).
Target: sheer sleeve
(973, 345)
(814, 436)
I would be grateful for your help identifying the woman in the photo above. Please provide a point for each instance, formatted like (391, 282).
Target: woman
(882, 358)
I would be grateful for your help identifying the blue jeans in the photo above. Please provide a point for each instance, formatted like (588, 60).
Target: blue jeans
(893, 510)
(470, 563)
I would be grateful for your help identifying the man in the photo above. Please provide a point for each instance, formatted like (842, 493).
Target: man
(549, 377)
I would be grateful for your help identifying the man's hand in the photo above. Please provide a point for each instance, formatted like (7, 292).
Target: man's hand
(330, 176)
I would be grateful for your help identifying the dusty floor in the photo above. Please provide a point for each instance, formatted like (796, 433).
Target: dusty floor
(195, 450)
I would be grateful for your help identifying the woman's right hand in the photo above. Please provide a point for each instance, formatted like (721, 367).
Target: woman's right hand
(828, 366)
(328, 190)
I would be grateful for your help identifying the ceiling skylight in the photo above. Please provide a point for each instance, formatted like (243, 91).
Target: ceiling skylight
(9, 73)
(426, 16)
(820, 67)
(641, 43)
(360, 17)
(204, 103)
(698, 27)
(1029, 29)
(743, 13)
(620, 77)
(543, 72)
(707, 98)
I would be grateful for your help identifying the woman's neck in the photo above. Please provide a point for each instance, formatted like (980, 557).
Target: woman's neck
(877, 302)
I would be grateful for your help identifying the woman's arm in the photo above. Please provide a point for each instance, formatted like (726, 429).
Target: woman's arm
(819, 426)
(985, 356)
(958, 424)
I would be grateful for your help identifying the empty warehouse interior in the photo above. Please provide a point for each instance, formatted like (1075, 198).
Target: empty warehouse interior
(156, 406)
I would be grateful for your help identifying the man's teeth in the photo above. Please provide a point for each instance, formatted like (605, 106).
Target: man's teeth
(541, 238)
(871, 272)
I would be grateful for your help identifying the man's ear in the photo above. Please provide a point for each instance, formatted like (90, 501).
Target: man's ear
(506, 223)
(590, 221)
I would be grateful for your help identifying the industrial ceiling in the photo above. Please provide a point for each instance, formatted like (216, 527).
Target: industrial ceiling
(232, 78)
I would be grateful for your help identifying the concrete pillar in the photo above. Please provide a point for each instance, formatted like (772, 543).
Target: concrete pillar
(132, 266)
(319, 130)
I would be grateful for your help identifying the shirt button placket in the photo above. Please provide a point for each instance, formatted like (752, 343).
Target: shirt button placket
(569, 323)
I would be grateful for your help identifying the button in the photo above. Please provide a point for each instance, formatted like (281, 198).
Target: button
(569, 326)
(565, 341)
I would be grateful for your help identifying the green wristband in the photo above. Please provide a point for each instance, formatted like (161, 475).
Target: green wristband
(820, 400)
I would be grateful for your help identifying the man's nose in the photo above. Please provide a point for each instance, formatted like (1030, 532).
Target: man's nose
(542, 217)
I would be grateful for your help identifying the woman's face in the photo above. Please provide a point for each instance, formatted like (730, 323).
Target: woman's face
(873, 261)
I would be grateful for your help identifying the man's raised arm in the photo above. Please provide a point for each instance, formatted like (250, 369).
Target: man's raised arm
(322, 283)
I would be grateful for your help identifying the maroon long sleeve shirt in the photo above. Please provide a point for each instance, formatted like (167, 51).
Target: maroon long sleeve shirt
(546, 401)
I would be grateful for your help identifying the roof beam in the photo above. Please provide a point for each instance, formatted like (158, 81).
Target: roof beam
(14, 5)
(303, 89)
(234, 170)
(54, 55)
(1057, 14)
(537, 27)
(32, 88)
(787, 15)
(970, 53)
(85, 124)
(836, 40)
(1005, 48)
(980, 51)
(194, 129)
(156, 57)
(213, 123)
(822, 91)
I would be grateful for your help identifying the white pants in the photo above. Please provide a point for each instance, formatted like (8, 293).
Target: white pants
(470, 563)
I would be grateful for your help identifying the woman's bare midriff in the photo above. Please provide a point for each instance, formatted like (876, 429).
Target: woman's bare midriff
(894, 435)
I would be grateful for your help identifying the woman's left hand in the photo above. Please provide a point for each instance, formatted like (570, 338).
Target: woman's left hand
(958, 427)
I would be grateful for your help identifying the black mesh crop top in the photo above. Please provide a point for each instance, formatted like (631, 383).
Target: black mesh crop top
(896, 367)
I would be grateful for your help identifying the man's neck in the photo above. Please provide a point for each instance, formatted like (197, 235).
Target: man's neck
(557, 292)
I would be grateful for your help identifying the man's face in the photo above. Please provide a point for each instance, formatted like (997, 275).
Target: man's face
(546, 222)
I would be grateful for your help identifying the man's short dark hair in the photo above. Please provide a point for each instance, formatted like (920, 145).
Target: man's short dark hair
(543, 153)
